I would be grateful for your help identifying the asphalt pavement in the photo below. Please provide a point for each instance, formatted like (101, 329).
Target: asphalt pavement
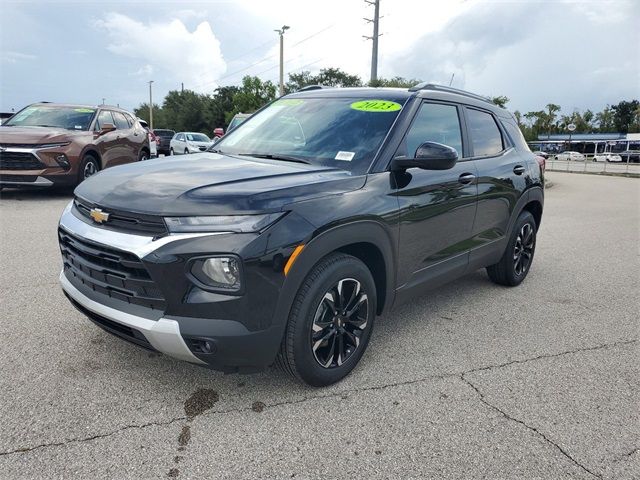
(472, 380)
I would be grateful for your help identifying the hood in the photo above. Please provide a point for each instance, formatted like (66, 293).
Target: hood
(35, 135)
(199, 144)
(212, 184)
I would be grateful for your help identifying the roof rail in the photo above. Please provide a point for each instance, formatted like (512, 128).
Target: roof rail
(443, 88)
(309, 87)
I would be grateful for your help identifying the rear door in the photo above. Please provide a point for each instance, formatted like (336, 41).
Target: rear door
(107, 143)
(128, 139)
(437, 208)
(502, 178)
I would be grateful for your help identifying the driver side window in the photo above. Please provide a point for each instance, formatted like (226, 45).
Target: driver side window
(434, 122)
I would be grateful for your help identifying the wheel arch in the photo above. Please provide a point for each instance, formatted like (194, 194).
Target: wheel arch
(91, 150)
(366, 240)
(532, 201)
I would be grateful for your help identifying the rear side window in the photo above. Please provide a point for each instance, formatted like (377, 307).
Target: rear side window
(434, 123)
(121, 121)
(104, 117)
(486, 137)
(516, 135)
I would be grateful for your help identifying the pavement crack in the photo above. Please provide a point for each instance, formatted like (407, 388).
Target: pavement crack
(552, 355)
(93, 437)
(340, 394)
(527, 426)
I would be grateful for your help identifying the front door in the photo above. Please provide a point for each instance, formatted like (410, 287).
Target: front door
(437, 208)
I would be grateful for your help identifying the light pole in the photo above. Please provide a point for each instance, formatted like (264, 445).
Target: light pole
(281, 33)
(150, 106)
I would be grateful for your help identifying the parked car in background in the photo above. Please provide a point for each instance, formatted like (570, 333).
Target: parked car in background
(189, 142)
(607, 157)
(630, 156)
(542, 154)
(48, 144)
(153, 142)
(573, 156)
(4, 116)
(164, 136)
(235, 121)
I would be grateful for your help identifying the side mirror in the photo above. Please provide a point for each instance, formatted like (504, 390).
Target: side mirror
(428, 156)
(218, 132)
(106, 128)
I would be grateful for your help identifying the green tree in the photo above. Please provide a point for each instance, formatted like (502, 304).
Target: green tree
(187, 111)
(159, 118)
(327, 77)
(221, 103)
(395, 82)
(500, 101)
(605, 120)
(625, 115)
(252, 95)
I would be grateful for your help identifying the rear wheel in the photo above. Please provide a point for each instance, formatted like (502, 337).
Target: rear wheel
(144, 155)
(514, 265)
(186, 152)
(330, 322)
(88, 167)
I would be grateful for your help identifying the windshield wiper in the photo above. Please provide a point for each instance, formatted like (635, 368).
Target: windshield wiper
(276, 156)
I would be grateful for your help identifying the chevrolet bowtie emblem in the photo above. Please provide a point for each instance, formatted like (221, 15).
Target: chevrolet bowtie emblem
(98, 215)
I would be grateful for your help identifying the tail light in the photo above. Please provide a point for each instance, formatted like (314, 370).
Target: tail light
(542, 162)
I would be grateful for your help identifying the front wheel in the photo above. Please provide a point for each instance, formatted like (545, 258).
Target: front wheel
(171, 152)
(186, 152)
(143, 156)
(88, 167)
(516, 261)
(330, 322)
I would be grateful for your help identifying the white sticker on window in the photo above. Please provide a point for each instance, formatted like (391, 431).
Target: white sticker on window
(346, 156)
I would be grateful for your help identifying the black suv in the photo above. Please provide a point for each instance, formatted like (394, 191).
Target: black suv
(164, 137)
(286, 240)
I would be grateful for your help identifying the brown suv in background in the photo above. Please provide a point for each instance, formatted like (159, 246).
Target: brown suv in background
(48, 144)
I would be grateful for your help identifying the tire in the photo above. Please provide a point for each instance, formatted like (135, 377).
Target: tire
(186, 152)
(171, 152)
(144, 155)
(304, 353)
(516, 261)
(89, 166)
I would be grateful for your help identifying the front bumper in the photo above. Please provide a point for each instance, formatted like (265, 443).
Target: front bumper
(163, 334)
(245, 329)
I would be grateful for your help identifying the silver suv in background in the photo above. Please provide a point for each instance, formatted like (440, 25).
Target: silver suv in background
(189, 142)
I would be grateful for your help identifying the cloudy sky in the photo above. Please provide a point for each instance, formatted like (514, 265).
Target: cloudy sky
(579, 54)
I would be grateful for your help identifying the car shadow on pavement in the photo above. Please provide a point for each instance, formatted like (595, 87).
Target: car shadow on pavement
(35, 193)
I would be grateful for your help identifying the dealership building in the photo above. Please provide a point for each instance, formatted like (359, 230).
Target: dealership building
(588, 143)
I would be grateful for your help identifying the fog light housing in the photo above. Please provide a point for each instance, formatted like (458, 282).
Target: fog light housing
(63, 161)
(220, 273)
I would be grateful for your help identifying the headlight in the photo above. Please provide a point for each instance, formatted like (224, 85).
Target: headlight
(231, 223)
(220, 273)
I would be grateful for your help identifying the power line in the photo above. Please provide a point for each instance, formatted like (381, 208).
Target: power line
(264, 58)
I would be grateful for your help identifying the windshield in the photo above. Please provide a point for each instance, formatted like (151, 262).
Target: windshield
(235, 122)
(70, 118)
(338, 132)
(197, 137)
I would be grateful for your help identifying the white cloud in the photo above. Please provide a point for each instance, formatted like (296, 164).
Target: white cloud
(167, 48)
(14, 57)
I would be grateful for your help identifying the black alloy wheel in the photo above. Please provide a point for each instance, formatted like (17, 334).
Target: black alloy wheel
(523, 249)
(339, 323)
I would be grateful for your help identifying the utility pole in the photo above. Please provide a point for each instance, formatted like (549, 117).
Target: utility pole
(150, 106)
(102, 100)
(374, 38)
(281, 33)
(182, 87)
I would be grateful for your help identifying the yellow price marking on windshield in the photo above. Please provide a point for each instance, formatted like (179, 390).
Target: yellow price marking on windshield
(289, 102)
(84, 110)
(376, 106)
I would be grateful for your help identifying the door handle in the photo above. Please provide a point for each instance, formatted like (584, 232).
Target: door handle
(466, 178)
(518, 170)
